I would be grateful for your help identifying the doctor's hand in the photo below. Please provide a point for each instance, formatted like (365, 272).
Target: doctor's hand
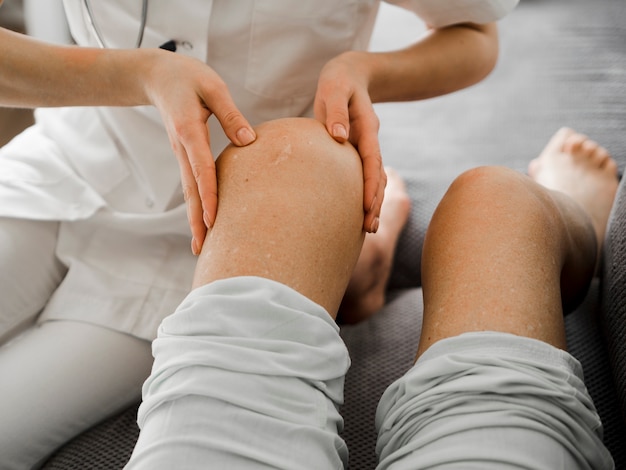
(343, 105)
(187, 92)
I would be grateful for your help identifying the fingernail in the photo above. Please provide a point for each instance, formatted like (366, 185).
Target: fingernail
(207, 221)
(340, 131)
(194, 247)
(375, 224)
(245, 136)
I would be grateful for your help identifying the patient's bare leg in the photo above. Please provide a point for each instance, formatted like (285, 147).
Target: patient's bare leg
(248, 373)
(504, 252)
(366, 291)
(290, 210)
(572, 163)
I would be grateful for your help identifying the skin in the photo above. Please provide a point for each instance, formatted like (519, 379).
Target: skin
(307, 222)
(367, 291)
(36, 74)
(39, 75)
(495, 255)
(442, 61)
(480, 274)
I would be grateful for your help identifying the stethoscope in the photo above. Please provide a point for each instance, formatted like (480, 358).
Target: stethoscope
(169, 45)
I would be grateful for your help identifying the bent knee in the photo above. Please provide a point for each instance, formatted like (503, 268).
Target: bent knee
(493, 184)
(296, 150)
(497, 188)
(294, 173)
(290, 209)
(487, 181)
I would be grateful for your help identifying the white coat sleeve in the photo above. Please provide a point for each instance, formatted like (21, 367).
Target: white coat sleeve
(439, 13)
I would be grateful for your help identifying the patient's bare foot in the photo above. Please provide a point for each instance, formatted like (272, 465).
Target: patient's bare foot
(579, 167)
(365, 294)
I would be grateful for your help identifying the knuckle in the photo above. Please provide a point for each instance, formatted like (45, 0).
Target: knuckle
(197, 170)
(185, 131)
(182, 131)
(231, 118)
(187, 192)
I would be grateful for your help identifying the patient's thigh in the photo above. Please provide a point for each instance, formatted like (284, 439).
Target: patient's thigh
(30, 271)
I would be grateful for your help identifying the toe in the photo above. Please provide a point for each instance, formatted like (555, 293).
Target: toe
(602, 156)
(574, 144)
(533, 167)
(558, 139)
(589, 149)
(610, 166)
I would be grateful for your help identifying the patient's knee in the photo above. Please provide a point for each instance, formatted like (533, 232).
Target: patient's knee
(490, 184)
(489, 180)
(298, 148)
(290, 208)
(494, 190)
(294, 164)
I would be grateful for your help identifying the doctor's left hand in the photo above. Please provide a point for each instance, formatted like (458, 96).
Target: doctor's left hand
(343, 105)
(187, 92)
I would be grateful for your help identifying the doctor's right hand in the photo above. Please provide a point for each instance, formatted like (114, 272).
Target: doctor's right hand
(187, 92)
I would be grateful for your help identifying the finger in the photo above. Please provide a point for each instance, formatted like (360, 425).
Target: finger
(374, 179)
(202, 168)
(197, 169)
(235, 125)
(196, 150)
(365, 139)
(195, 212)
(337, 119)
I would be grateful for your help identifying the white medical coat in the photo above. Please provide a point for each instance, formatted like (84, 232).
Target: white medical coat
(109, 173)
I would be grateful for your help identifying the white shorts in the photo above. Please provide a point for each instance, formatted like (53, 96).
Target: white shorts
(249, 373)
(491, 400)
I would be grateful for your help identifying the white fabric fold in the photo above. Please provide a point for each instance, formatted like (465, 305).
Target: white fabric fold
(491, 400)
(248, 373)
